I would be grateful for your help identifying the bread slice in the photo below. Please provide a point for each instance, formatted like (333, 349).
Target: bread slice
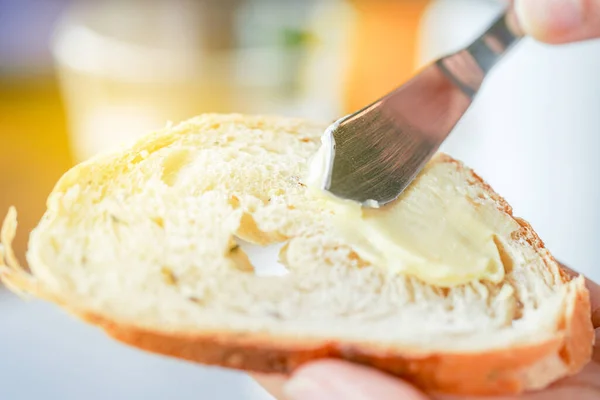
(145, 243)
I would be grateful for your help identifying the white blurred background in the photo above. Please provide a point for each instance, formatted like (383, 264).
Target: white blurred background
(78, 77)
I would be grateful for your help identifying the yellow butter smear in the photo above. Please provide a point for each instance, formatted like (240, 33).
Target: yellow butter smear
(433, 231)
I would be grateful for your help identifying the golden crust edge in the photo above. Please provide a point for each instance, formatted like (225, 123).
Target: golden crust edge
(495, 372)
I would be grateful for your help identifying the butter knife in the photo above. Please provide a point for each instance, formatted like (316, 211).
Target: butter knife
(372, 155)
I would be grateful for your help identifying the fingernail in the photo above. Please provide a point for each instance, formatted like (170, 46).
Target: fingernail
(547, 19)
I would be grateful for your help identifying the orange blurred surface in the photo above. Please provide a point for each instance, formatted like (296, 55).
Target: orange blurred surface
(34, 149)
(384, 48)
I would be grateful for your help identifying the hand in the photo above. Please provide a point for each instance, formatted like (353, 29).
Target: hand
(559, 21)
(331, 379)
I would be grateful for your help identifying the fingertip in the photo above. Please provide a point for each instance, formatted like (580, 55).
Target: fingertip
(559, 21)
(329, 379)
(549, 20)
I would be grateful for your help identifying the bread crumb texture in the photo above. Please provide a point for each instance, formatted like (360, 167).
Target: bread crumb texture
(145, 242)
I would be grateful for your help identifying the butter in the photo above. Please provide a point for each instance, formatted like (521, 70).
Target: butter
(317, 167)
(433, 232)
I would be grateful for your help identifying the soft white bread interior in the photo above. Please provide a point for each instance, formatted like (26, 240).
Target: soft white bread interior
(145, 243)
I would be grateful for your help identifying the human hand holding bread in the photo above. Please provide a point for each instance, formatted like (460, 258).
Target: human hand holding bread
(551, 21)
(149, 244)
(331, 379)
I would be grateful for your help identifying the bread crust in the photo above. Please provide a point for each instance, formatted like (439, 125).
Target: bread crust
(494, 372)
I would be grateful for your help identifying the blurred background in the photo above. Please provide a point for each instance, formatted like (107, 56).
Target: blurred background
(79, 77)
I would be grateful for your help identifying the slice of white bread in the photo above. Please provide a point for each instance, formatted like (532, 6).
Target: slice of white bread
(143, 243)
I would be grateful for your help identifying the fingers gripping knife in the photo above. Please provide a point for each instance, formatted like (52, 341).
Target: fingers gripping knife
(371, 156)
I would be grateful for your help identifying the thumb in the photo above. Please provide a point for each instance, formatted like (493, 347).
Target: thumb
(329, 379)
(559, 21)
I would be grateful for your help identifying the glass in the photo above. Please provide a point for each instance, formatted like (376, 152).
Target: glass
(128, 67)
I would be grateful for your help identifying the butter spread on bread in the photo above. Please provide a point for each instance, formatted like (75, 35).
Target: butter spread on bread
(434, 231)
